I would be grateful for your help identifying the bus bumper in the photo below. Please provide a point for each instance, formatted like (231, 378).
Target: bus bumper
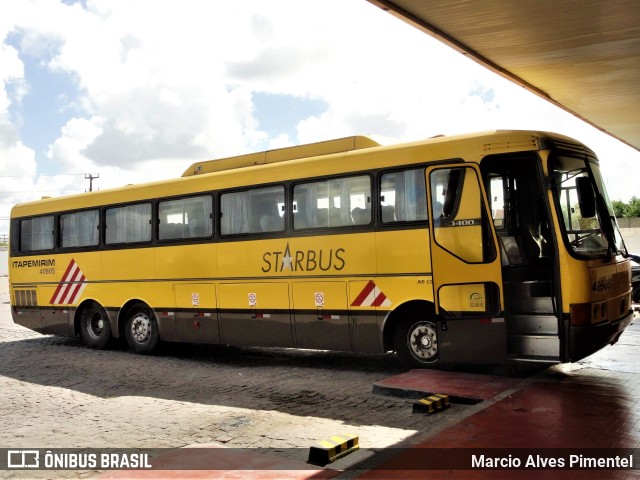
(587, 339)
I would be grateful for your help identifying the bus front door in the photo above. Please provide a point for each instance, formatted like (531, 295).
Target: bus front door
(466, 269)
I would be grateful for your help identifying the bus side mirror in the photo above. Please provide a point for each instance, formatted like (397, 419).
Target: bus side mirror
(586, 197)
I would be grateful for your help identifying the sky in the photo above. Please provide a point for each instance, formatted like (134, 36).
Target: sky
(138, 90)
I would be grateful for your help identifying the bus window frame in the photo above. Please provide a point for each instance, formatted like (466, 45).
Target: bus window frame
(400, 223)
(486, 219)
(123, 245)
(307, 231)
(18, 223)
(189, 240)
(58, 241)
(217, 213)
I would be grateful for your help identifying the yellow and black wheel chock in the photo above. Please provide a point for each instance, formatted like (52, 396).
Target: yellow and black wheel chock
(333, 448)
(434, 403)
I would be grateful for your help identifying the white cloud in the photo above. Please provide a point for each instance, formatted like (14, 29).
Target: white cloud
(15, 158)
(177, 83)
(162, 84)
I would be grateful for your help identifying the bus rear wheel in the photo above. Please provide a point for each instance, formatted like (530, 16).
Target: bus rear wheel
(141, 330)
(95, 328)
(416, 343)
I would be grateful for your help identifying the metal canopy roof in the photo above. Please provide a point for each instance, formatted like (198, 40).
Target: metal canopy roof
(582, 55)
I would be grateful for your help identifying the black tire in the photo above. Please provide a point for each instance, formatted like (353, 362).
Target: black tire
(95, 328)
(141, 330)
(416, 343)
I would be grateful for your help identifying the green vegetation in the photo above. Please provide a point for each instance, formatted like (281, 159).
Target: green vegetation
(631, 209)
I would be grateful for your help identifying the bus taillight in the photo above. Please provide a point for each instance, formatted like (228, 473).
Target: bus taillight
(588, 313)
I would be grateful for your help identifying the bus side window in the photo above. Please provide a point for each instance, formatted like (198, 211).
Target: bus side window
(79, 229)
(37, 234)
(463, 227)
(337, 202)
(269, 217)
(452, 192)
(199, 215)
(443, 193)
(185, 218)
(128, 224)
(403, 196)
(252, 211)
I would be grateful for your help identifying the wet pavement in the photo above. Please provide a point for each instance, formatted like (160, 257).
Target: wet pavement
(557, 423)
(567, 413)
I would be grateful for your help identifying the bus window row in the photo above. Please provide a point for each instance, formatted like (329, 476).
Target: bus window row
(318, 204)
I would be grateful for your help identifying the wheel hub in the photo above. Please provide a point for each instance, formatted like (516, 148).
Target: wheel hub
(141, 328)
(422, 341)
(96, 326)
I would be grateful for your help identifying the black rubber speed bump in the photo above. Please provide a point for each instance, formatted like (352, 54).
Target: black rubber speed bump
(331, 449)
(432, 404)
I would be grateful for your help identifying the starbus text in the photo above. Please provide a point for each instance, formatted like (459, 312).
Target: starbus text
(303, 260)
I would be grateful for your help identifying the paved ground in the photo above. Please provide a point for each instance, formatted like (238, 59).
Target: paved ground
(54, 392)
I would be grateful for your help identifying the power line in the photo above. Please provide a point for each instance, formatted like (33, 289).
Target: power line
(45, 191)
(43, 175)
(89, 176)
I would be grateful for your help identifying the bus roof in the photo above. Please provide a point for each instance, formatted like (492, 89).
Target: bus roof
(332, 151)
(317, 149)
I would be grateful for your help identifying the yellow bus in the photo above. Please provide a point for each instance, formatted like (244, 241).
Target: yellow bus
(484, 248)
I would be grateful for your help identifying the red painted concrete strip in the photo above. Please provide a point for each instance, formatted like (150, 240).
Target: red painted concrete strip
(454, 384)
(583, 413)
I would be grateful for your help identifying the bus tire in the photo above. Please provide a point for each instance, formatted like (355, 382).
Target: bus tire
(416, 343)
(141, 330)
(95, 328)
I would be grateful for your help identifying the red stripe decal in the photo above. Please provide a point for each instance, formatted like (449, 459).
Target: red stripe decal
(364, 294)
(74, 290)
(62, 281)
(379, 299)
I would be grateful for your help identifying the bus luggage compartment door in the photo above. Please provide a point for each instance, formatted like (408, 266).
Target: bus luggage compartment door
(255, 314)
(195, 317)
(466, 269)
(321, 316)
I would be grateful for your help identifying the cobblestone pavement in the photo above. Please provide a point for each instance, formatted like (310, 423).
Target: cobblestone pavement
(56, 393)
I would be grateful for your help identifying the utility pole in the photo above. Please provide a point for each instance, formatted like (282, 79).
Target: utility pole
(90, 177)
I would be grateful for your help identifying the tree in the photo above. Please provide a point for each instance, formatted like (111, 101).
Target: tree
(631, 209)
(619, 208)
(634, 207)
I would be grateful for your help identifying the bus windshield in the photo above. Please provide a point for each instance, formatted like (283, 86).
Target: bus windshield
(585, 235)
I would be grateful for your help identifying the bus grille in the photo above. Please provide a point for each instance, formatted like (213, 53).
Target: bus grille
(25, 298)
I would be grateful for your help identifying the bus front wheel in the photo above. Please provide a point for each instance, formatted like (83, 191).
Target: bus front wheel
(95, 328)
(141, 330)
(416, 343)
